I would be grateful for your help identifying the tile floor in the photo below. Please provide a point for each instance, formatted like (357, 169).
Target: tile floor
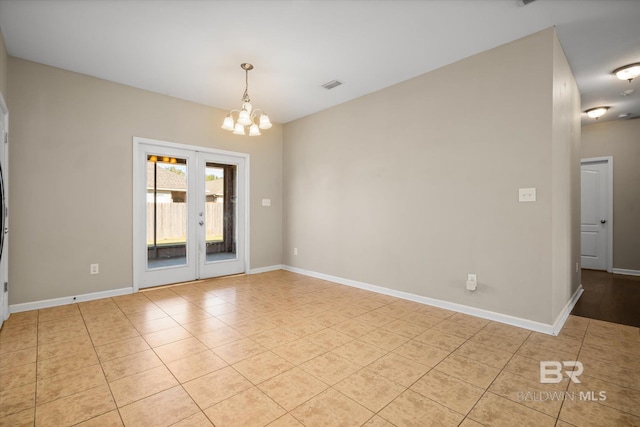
(281, 349)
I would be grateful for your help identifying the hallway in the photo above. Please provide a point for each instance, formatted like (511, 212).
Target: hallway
(610, 297)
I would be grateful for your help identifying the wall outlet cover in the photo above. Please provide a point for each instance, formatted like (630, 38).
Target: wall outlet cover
(527, 195)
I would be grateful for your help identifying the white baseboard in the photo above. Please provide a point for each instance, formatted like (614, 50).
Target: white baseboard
(266, 269)
(626, 272)
(460, 308)
(36, 305)
(564, 314)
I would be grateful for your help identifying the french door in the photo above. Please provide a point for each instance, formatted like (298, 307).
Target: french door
(189, 213)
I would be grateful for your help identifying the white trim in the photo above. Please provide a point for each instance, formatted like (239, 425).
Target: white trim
(138, 234)
(266, 269)
(135, 230)
(36, 305)
(626, 272)
(460, 308)
(4, 272)
(179, 146)
(564, 314)
(609, 161)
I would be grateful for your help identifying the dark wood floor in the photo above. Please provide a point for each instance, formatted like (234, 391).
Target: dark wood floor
(611, 297)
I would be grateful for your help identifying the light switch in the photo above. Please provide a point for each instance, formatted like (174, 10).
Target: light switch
(266, 202)
(527, 195)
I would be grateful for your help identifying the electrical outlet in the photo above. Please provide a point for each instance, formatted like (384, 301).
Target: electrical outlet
(527, 195)
(295, 251)
(472, 282)
(94, 269)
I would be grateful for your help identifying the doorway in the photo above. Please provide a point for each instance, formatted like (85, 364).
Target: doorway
(190, 213)
(596, 213)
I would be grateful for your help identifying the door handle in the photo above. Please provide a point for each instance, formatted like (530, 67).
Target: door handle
(201, 223)
(603, 221)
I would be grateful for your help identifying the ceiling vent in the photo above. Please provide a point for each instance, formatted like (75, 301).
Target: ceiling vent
(331, 84)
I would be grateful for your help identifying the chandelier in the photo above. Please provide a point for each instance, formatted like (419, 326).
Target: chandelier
(245, 122)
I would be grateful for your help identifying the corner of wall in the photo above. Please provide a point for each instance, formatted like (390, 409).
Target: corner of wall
(565, 147)
(4, 58)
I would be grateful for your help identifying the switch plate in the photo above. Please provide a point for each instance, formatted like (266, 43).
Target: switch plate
(472, 277)
(527, 195)
(295, 251)
(94, 269)
(266, 202)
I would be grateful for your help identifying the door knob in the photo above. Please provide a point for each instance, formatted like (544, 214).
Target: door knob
(201, 223)
(603, 221)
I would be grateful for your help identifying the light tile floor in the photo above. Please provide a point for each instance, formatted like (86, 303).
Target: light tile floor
(281, 349)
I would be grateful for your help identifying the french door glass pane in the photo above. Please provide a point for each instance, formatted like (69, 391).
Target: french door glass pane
(220, 216)
(166, 211)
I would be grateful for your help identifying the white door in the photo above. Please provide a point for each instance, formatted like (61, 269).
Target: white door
(595, 222)
(4, 211)
(190, 213)
(221, 227)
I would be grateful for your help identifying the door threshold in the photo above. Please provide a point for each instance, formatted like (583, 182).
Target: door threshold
(191, 282)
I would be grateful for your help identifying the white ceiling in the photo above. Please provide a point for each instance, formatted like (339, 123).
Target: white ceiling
(193, 49)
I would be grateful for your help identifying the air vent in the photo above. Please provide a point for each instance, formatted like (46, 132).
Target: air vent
(331, 84)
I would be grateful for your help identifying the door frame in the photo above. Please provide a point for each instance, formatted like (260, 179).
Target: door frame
(608, 160)
(4, 272)
(139, 233)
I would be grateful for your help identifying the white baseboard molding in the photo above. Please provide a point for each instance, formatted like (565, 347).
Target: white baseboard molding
(626, 272)
(266, 269)
(564, 314)
(36, 305)
(460, 308)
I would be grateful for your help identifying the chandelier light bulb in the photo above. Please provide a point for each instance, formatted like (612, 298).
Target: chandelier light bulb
(239, 129)
(244, 118)
(265, 123)
(228, 123)
(253, 130)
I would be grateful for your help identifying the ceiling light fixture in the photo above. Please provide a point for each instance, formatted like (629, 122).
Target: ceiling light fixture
(597, 112)
(247, 115)
(628, 72)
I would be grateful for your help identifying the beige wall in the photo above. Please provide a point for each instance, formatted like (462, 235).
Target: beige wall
(71, 177)
(565, 173)
(414, 186)
(3, 67)
(620, 139)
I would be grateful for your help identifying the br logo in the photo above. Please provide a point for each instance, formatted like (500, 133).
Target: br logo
(551, 371)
